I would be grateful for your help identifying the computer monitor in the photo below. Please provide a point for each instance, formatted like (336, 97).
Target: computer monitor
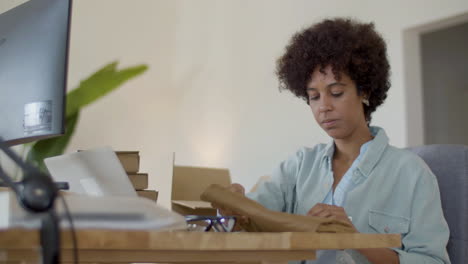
(34, 41)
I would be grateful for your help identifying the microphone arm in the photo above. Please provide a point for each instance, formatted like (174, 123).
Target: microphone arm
(36, 193)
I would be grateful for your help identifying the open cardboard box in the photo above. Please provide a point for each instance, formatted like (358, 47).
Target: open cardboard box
(188, 183)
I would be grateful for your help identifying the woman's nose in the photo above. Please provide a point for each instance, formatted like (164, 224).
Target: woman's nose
(325, 104)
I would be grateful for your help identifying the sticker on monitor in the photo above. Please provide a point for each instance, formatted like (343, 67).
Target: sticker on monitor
(37, 117)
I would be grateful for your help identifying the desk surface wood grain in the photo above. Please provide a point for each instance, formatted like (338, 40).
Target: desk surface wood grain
(152, 246)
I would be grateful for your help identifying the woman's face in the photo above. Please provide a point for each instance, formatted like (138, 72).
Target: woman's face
(336, 105)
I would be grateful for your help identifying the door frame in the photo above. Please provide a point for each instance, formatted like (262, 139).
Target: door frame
(412, 74)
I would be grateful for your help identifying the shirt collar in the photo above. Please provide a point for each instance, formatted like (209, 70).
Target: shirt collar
(327, 157)
(374, 151)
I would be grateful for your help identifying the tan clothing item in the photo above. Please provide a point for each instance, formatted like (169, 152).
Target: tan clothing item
(262, 219)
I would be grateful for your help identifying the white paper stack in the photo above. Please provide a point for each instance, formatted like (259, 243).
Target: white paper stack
(129, 213)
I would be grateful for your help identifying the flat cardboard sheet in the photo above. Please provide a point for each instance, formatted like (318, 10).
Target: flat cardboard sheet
(193, 204)
(188, 183)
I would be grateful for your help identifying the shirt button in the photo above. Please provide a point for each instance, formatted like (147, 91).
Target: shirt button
(386, 229)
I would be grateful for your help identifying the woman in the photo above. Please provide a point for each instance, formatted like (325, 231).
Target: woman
(340, 68)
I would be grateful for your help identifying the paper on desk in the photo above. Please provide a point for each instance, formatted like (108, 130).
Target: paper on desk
(120, 213)
(109, 212)
(96, 172)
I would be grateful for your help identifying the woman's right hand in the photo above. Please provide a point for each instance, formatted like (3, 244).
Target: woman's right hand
(241, 219)
(236, 188)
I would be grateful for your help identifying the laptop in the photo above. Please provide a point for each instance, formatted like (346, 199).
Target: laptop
(95, 172)
(103, 195)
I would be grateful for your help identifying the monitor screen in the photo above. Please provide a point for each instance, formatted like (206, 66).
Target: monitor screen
(34, 40)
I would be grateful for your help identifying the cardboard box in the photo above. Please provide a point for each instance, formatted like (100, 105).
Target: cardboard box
(188, 183)
(130, 160)
(139, 181)
(148, 194)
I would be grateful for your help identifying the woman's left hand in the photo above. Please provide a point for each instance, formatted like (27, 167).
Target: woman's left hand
(330, 211)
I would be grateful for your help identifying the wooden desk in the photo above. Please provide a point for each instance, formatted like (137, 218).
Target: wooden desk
(111, 246)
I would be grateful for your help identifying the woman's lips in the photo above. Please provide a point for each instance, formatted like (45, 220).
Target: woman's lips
(329, 123)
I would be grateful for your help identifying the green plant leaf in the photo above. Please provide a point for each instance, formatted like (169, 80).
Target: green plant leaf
(52, 146)
(99, 84)
(96, 86)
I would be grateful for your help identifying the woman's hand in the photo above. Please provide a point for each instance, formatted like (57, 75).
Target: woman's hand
(330, 211)
(237, 188)
(374, 255)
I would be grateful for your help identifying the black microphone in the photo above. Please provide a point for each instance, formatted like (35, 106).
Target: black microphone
(37, 192)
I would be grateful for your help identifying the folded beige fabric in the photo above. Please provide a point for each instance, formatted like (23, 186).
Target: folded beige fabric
(262, 219)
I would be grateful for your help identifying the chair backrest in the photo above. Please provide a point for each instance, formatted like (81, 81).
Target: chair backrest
(450, 165)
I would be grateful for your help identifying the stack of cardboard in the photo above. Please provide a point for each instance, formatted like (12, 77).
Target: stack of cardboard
(131, 163)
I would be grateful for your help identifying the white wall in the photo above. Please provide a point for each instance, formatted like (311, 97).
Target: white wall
(210, 94)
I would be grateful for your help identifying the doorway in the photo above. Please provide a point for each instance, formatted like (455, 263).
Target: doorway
(436, 79)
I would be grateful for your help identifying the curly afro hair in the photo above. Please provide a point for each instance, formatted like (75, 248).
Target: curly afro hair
(346, 45)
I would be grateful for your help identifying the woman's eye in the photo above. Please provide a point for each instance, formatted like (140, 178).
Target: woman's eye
(313, 98)
(337, 94)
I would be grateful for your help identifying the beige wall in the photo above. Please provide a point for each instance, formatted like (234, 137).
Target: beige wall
(210, 94)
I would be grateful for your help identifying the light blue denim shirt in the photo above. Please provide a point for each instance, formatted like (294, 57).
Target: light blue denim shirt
(394, 192)
(338, 198)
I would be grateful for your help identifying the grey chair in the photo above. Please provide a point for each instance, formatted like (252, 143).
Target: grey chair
(450, 165)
